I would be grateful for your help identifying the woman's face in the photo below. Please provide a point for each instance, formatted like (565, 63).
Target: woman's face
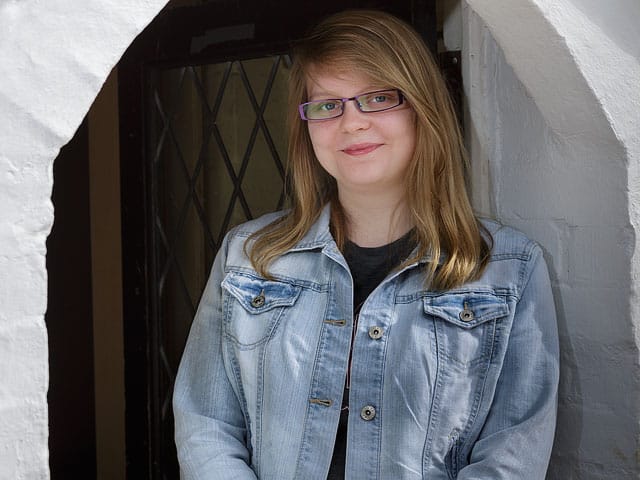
(365, 152)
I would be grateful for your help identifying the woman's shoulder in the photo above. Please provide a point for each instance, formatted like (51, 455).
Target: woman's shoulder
(513, 259)
(248, 228)
(233, 245)
(508, 242)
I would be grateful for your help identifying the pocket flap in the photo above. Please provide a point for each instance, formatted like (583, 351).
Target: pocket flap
(258, 295)
(466, 309)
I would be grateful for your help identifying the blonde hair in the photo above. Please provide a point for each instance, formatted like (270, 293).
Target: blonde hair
(390, 52)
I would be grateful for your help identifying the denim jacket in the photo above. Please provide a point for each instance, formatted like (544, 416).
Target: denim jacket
(457, 384)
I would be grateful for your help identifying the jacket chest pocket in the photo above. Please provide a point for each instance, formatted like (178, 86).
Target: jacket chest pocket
(466, 324)
(253, 307)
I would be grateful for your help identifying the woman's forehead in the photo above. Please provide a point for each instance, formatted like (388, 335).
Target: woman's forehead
(332, 78)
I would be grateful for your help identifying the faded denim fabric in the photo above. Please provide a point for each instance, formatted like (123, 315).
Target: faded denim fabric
(458, 384)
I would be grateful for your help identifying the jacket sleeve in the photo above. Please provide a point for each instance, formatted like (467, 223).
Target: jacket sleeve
(516, 439)
(210, 429)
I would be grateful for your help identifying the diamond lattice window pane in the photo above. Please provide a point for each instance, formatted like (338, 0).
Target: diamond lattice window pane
(262, 182)
(258, 71)
(236, 118)
(216, 140)
(276, 109)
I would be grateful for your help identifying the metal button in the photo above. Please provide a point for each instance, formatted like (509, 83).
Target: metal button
(467, 314)
(376, 332)
(258, 301)
(368, 413)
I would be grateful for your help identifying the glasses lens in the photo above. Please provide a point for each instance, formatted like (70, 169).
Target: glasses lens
(377, 101)
(323, 109)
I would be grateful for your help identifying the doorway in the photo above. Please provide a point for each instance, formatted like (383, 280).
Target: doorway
(202, 148)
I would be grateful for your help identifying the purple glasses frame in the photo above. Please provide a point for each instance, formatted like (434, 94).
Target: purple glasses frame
(303, 115)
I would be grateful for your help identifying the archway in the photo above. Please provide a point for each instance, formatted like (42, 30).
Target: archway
(57, 55)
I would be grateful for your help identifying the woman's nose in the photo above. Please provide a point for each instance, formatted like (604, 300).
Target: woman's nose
(352, 118)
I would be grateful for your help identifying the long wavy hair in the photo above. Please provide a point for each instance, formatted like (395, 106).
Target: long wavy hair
(387, 50)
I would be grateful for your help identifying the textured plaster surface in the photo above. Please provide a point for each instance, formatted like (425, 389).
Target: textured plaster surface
(55, 55)
(554, 101)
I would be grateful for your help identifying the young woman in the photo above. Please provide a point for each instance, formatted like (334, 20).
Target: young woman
(377, 329)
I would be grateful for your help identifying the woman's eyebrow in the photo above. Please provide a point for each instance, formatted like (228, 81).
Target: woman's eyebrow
(324, 95)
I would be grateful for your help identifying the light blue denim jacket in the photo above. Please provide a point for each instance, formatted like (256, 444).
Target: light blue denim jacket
(458, 384)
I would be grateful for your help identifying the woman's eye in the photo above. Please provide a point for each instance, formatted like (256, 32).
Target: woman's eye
(379, 99)
(327, 106)
(323, 107)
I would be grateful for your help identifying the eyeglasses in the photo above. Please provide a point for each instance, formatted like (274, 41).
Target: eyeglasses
(370, 102)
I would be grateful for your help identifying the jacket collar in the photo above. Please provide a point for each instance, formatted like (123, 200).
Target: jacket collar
(319, 237)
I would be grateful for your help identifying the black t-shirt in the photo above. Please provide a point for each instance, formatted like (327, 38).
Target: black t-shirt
(369, 266)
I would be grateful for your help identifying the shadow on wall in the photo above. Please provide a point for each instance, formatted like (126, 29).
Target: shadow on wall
(565, 457)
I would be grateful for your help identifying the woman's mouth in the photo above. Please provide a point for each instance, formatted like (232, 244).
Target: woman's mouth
(361, 148)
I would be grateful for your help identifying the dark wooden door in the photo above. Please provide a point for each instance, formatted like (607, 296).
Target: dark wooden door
(202, 98)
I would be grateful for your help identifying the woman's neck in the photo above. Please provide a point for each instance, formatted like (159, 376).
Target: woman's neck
(375, 221)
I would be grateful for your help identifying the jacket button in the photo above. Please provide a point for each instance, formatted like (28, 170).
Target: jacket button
(466, 315)
(376, 332)
(368, 413)
(258, 301)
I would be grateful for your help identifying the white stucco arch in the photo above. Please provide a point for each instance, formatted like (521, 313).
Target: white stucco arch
(55, 56)
(554, 102)
(582, 103)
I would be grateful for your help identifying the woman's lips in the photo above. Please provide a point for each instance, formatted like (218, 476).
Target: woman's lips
(361, 148)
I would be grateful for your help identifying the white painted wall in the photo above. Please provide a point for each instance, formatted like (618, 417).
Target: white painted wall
(55, 55)
(553, 101)
(554, 106)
